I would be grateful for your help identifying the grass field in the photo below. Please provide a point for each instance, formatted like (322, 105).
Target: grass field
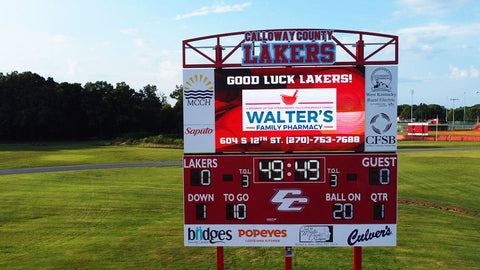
(68, 153)
(132, 218)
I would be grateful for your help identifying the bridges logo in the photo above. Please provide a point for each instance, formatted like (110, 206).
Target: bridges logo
(200, 234)
(198, 91)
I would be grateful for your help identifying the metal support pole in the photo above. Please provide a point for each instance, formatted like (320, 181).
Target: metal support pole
(218, 54)
(288, 258)
(219, 258)
(360, 50)
(357, 258)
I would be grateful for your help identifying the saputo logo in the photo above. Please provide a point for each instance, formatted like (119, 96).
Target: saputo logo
(197, 131)
(198, 91)
(213, 236)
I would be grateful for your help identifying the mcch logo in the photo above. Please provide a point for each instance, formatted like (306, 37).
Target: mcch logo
(198, 91)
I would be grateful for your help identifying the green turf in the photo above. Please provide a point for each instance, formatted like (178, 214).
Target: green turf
(132, 219)
(433, 144)
(446, 178)
(72, 153)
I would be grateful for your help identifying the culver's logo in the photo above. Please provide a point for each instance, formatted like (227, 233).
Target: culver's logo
(198, 91)
(356, 236)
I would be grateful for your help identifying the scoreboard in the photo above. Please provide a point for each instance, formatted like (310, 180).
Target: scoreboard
(294, 145)
(290, 199)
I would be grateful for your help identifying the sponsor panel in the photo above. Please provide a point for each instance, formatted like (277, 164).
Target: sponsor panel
(340, 235)
(199, 110)
(381, 108)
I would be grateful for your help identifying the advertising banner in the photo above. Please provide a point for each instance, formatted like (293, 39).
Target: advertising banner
(291, 109)
(278, 109)
(199, 110)
(381, 108)
(325, 235)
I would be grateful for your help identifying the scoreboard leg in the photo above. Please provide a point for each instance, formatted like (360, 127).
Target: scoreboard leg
(357, 258)
(219, 258)
(288, 258)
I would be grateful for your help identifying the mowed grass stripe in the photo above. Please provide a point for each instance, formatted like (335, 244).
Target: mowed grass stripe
(448, 179)
(132, 219)
(87, 219)
(72, 153)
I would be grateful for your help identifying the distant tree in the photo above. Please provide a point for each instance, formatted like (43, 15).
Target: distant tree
(405, 113)
(178, 108)
(35, 108)
(97, 107)
(472, 114)
(178, 95)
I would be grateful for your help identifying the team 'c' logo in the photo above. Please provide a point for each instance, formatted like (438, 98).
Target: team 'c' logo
(289, 200)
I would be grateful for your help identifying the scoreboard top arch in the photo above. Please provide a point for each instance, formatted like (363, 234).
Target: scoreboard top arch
(288, 47)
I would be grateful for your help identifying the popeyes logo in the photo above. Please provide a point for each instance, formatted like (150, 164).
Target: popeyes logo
(262, 233)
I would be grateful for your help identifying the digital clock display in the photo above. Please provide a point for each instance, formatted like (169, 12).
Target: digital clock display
(281, 170)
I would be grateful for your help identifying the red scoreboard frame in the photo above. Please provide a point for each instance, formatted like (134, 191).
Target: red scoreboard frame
(280, 199)
(266, 139)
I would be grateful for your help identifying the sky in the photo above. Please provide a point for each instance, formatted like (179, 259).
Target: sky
(139, 42)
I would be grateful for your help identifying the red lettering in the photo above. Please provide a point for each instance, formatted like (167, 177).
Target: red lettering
(196, 131)
(262, 233)
(265, 54)
(328, 53)
(280, 53)
(295, 52)
(247, 53)
(312, 53)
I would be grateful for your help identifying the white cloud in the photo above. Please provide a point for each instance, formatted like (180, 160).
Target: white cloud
(427, 37)
(222, 8)
(458, 73)
(428, 7)
(140, 43)
(168, 70)
(474, 73)
(129, 31)
(72, 67)
(421, 37)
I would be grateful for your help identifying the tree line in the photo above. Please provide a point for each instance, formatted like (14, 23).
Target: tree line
(35, 108)
(424, 112)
